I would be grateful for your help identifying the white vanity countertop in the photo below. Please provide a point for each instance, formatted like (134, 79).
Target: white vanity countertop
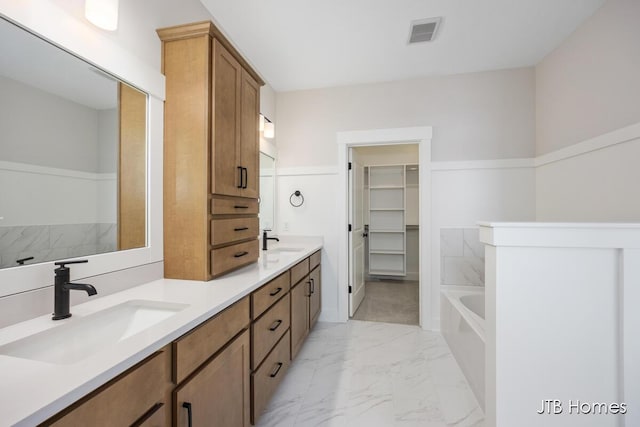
(32, 391)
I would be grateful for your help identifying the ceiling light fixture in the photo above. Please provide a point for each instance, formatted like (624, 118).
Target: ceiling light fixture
(102, 13)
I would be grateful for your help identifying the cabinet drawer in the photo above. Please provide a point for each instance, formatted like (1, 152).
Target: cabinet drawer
(299, 271)
(125, 400)
(267, 330)
(264, 297)
(231, 257)
(192, 349)
(233, 229)
(221, 205)
(265, 380)
(314, 260)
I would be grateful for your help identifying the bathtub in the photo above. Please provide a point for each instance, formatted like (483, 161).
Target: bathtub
(462, 325)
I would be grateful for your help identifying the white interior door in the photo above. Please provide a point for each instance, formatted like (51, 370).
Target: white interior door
(356, 236)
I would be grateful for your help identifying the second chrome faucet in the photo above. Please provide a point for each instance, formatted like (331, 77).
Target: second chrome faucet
(63, 285)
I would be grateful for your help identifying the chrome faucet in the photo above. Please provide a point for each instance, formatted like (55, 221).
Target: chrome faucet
(265, 238)
(62, 286)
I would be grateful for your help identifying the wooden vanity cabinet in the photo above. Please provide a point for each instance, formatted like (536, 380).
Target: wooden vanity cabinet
(223, 372)
(305, 300)
(299, 315)
(218, 393)
(212, 371)
(141, 396)
(211, 153)
(270, 340)
(315, 299)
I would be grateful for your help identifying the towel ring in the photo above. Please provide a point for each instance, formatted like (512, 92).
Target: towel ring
(296, 193)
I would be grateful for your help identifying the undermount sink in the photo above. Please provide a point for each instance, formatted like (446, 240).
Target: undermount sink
(82, 337)
(283, 250)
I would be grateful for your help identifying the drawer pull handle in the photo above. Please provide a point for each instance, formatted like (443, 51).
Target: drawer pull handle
(246, 177)
(240, 228)
(240, 207)
(309, 282)
(275, 325)
(313, 286)
(275, 372)
(240, 168)
(241, 254)
(276, 292)
(140, 421)
(187, 406)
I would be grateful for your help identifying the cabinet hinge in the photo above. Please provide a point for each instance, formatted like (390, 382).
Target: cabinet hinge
(350, 289)
(349, 165)
(349, 227)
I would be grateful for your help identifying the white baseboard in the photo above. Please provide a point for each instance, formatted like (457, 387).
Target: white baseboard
(329, 316)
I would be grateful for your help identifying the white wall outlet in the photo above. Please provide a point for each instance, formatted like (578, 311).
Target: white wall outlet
(285, 226)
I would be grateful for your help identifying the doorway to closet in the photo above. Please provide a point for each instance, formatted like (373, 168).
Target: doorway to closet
(384, 238)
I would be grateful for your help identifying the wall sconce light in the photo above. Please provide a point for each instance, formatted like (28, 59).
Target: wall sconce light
(269, 129)
(102, 13)
(261, 123)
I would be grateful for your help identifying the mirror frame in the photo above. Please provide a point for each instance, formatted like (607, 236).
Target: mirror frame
(275, 199)
(80, 39)
(269, 148)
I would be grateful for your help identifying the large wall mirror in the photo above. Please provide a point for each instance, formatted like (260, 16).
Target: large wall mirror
(73, 155)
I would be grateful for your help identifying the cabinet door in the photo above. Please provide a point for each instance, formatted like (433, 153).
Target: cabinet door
(249, 135)
(299, 315)
(218, 394)
(227, 75)
(315, 297)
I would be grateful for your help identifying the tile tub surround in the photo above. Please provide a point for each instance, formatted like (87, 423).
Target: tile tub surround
(373, 374)
(52, 242)
(33, 391)
(461, 257)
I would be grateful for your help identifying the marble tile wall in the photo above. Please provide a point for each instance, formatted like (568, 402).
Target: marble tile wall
(461, 257)
(51, 242)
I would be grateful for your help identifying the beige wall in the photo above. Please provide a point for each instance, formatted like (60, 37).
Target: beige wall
(488, 115)
(590, 84)
(588, 103)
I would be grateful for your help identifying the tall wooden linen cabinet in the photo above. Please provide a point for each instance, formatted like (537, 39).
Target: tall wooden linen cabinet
(211, 154)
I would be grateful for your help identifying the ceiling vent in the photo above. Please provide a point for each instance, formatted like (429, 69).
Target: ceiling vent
(424, 30)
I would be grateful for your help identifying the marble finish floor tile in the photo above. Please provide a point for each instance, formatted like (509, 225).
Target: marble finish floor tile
(391, 301)
(373, 374)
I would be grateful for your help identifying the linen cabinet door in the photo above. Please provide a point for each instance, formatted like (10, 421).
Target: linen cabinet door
(299, 315)
(226, 99)
(219, 393)
(315, 296)
(249, 136)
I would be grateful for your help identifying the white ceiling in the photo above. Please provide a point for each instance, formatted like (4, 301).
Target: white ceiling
(298, 44)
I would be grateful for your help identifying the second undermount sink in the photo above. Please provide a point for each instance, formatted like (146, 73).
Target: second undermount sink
(284, 249)
(80, 338)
